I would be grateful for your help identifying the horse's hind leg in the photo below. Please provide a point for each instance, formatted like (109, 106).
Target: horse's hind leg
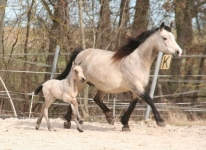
(68, 118)
(98, 100)
(75, 118)
(126, 116)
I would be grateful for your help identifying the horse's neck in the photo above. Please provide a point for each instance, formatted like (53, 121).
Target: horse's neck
(146, 52)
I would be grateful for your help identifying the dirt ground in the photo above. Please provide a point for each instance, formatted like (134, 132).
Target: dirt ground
(20, 134)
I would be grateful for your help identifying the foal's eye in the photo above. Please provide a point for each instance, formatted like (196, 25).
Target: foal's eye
(164, 38)
(76, 71)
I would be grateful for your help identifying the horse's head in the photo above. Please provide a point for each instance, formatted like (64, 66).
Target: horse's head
(167, 43)
(79, 72)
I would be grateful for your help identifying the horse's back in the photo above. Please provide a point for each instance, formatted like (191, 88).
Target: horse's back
(101, 71)
(53, 87)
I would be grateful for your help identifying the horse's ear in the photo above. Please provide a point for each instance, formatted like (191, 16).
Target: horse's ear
(172, 24)
(162, 26)
(80, 63)
(73, 63)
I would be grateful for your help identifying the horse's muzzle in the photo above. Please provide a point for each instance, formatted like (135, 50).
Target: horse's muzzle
(83, 80)
(177, 54)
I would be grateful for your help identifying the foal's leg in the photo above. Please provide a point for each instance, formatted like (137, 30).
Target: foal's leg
(98, 100)
(48, 103)
(149, 100)
(40, 118)
(74, 102)
(75, 118)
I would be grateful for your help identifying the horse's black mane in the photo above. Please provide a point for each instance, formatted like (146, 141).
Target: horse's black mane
(133, 43)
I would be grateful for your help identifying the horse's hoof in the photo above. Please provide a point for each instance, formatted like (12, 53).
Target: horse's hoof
(81, 122)
(67, 125)
(126, 129)
(109, 118)
(80, 130)
(161, 123)
(110, 121)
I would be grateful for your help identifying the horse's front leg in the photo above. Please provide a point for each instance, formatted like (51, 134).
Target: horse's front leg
(98, 100)
(158, 118)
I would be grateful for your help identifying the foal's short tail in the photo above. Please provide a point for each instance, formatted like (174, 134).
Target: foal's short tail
(66, 71)
(38, 89)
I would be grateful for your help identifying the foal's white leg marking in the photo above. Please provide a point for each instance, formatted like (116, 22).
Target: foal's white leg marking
(75, 118)
(74, 104)
(48, 101)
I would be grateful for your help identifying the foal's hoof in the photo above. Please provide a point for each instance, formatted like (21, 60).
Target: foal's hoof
(52, 129)
(67, 125)
(161, 123)
(80, 130)
(126, 128)
(37, 127)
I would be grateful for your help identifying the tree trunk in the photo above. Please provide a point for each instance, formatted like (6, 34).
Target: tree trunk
(141, 17)
(59, 32)
(183, 20)
(28, 29)
(2, 13)
(104, 27)
(123, 20)
(86, 89)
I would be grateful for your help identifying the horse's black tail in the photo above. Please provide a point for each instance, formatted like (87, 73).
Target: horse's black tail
(66, 71)
(38, 89)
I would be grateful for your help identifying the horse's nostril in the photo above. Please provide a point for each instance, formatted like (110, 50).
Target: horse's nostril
(83, 79)
(177, 52)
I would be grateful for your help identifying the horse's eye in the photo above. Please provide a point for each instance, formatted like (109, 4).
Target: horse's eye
(164, 38)
(76, 71)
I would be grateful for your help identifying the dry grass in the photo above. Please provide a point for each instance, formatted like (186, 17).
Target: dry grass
(180, 118)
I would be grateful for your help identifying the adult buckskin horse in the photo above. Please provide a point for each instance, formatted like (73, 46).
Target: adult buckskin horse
(127, 69)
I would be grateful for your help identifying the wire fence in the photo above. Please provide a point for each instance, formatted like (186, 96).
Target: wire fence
(117, 104)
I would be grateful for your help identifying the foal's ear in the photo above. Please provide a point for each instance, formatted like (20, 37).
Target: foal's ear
(162, 26)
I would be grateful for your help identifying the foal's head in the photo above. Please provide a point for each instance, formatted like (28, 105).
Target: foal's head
(78, 72)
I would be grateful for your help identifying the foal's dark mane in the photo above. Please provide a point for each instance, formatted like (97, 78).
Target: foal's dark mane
(133, 43)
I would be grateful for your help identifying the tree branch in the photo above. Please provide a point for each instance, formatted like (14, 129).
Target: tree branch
(47, 8)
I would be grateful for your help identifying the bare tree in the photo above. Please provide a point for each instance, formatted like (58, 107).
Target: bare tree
(104, 26)
(2, 13)
(141, 16)
(59, 31)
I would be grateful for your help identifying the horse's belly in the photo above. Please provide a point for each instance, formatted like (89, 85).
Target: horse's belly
(110, 86)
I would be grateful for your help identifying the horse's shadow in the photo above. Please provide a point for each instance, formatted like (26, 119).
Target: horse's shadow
(59, 125)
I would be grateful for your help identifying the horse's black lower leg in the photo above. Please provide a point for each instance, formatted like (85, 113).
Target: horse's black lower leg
(98, 100)
(68, 118)
(126, 116)
(158, 118)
